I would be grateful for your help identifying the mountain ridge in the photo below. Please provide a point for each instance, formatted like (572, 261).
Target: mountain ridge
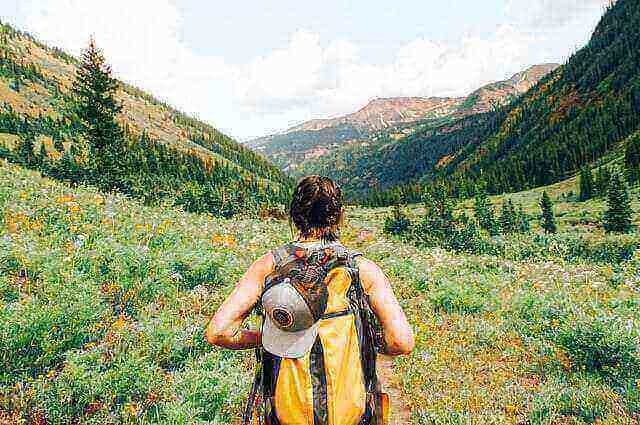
(313, 139)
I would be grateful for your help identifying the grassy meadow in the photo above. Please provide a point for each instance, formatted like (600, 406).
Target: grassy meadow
(103, 303)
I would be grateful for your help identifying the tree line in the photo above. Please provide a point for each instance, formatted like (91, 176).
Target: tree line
(91, 146)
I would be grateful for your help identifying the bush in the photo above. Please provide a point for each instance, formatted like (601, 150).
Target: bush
(557, 401)
(453, 298)
(397, 223)
(606, 346)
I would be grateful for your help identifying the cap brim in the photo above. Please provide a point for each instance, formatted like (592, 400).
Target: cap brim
(292, 345)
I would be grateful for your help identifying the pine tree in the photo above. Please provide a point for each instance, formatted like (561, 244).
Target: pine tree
(586, 184)
(16, 84)
(25, 150)
(57, 145)
(484, 213)
(617, 218)
(547, 217)
(438, 218)
(96, 108)
(632, 158)
(397, 223)
(602, 181)
(523, 221)
(508, 217)
(42, 156)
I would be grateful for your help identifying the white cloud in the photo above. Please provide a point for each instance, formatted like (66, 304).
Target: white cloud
(545, 14)
(309, 77)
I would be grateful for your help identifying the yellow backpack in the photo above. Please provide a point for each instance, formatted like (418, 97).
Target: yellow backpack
(335, 383)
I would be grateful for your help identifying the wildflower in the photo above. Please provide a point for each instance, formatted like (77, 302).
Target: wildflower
(134, 409)
(138, 227)
(99, 200)
(120, 323)
(161, 231)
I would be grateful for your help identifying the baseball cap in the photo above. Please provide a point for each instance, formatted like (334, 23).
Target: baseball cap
(289, 329)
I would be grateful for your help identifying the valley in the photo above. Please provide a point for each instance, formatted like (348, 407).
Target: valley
(384, 121)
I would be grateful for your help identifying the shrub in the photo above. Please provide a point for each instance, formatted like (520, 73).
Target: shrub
(557, 401)
(606, 346)
(397, 223)
(453, 298)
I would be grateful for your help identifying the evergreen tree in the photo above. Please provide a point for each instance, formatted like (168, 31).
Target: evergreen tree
(57, 145)
(438, 218)
(96, 108)
(42, 156)
(508, 217)
(586, 184)
(484, 213)
(523, 221)
(632, 158)
(25, 150)
(547, 217)
(602, 181)
(16, 84)
(397, 223)
(617, 218)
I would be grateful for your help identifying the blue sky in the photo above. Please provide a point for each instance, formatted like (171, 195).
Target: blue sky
(255, 67)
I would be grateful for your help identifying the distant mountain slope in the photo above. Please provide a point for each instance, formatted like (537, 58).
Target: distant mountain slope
(573, 116)
(35, 81)
(502, 92)
(385, 119)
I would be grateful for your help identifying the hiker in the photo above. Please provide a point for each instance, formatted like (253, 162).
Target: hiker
(326, 311)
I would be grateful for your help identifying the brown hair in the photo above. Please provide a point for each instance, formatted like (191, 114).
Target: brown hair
(316, 208)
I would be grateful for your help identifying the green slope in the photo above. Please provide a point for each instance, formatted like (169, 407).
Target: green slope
(35, 82)
(572, 117)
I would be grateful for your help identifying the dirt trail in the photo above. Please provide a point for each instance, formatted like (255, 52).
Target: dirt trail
(400, 412)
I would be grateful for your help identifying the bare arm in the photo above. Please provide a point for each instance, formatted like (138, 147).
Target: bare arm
(398, 335)
(225, 327)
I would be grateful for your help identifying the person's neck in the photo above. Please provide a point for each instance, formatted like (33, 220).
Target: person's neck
(311, 239)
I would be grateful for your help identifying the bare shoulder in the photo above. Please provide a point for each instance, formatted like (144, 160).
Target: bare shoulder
(264, 264)
(370, 273)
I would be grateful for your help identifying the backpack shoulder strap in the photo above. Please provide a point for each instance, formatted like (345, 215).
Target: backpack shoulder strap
(280, 254)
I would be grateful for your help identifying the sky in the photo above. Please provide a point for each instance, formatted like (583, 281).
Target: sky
(255, 67)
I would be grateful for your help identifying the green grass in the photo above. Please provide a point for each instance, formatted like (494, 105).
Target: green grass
(103, 303)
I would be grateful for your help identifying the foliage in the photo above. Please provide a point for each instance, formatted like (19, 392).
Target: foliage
(573, 117)
(547, 217)
(607, 346)
(89, 136)
(397, 223)
(586, 184)
(452, 298)
(95, 108)
(508, 218)
(617, 218)
(485, 214)
(632, 158)
(103, 302)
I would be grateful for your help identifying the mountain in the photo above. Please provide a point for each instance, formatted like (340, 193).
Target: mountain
(386, 119)
(502, 92)
(570, 118)
(171, 154)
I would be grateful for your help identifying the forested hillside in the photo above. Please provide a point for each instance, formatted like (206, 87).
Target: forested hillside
(299, 149)
(165, 153)
(572, 117)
